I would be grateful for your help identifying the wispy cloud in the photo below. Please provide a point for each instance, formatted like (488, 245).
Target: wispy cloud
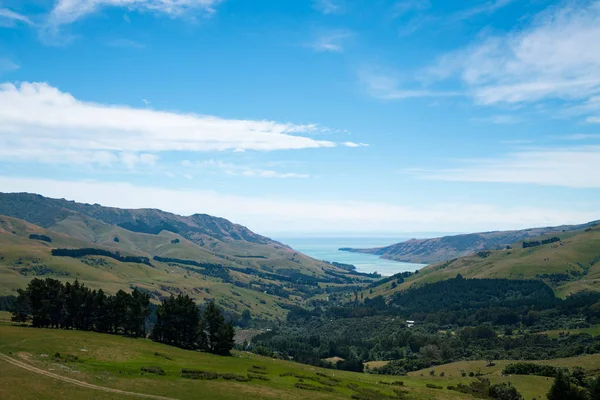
(40, 123)
(240, 170)
(331, 41)
(328, 6)
(573, 167)
(386, 85)
(10, 18)
(580, 136)
(487, 7)
(7, 65)
(556, 57)
(409, 6)
(69, 11)
(500, 119)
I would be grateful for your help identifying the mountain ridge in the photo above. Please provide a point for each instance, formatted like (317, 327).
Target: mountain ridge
(444, 248)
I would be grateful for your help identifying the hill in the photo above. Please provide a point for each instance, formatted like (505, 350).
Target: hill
(430, 251)
(160, 253)
(81, 365)
(569, 262)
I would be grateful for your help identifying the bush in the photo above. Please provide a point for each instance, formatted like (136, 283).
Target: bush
(196, 374)
(234, 377)
(504, 391)
(306, 386)
(154, 370)
(259, 377)
(432, 386)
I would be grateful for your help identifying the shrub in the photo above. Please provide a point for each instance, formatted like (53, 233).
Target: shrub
(306, 386)
(196, 374)
(154, 370)
(234, 377)
(504, 391)
(432, 386)
(259, 377)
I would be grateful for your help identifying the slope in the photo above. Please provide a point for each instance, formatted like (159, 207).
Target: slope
(429, 251)
(570, 265)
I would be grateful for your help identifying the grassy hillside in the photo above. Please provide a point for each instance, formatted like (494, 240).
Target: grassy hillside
(115, 362)
(22, 258)
(569, 266)
(430, 251)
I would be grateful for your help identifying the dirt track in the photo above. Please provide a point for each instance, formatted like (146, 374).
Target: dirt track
(31, 368)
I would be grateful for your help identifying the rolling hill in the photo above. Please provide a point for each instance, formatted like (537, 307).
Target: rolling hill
(82, 365)
(430, 251)
(568, 265)
(158, 252)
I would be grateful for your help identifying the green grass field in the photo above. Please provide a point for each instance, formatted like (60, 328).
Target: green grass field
(592, 330)
(115, 362)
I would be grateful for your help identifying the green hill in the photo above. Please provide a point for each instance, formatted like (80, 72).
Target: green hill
(45, 363)
(203, 256)
(570, 265)
(430, 251)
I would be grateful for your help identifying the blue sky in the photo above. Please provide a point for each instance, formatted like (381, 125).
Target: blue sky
(302, 116)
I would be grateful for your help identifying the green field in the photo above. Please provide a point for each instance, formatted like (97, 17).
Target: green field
(115, 362)
(592, 330)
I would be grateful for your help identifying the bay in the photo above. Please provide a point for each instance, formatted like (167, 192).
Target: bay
(326, 249)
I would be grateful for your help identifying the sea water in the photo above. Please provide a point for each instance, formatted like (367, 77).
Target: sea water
(326, 249)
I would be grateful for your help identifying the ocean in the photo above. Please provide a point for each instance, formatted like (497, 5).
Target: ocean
(326, 248)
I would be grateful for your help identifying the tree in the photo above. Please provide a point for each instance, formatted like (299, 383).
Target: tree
(562, 389)
(595, 389)
(178, 323)
(21, 307)
(504, 391)
(219, 334)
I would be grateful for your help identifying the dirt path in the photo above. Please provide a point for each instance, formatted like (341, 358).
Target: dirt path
(31, 368)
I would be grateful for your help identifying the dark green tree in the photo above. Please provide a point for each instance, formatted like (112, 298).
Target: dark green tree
(219, 334)
(504, 391)
(595, 389)
(562, 389)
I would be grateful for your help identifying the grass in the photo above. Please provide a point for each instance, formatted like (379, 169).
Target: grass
(21, 259)
(578, 251)
(592, 330)
(116, 362)
(530, 387)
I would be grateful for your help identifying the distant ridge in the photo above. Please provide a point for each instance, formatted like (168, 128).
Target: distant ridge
(46, 212)
(430, 251)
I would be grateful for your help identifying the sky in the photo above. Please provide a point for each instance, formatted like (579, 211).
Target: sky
(308, 116)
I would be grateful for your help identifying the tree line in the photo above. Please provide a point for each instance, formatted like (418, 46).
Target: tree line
(49, 303)
(536, 243)
(78, 253)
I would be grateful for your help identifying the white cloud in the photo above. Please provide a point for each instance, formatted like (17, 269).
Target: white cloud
(332, 41)
(69, 11)
(328, 6)
(557, 56)
(9, 18)
(241, 170)
(40, 123)
(572, 167)
(293, 215)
